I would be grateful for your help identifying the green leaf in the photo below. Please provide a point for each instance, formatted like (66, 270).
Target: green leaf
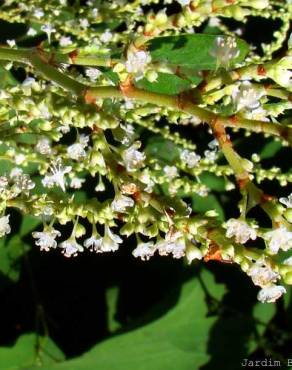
(22, 356)
(162, 149)
(208, 203)
(177, 341)
(13, 249)
(165, 84)
(262, 314)
(190, 51)
(212, 181)
(6, 78)
(270, 149)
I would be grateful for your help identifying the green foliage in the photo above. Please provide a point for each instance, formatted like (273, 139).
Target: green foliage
(192, 51)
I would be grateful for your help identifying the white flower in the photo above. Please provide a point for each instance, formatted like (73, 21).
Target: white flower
(76, 182)
(71, 247)
(144, 251)
(245, 96)
(287, 201)
(277, 239)
(240, 230)
(110, 241)
(174, 244)
(48, 29)
(20, 158)
(170, 171)
(193, 253)
(184, 2)
(43, 146)
(132, 158)
(3, 183)
(11, 43)
(76, 151)
(31, 32)
(146, 179)
(211, 155)
(38, 13)
(129, 134)
(65, 41)
(93, 243)
(106, 36)
(270, 293)
(191, 158)
(262, 275)
(4, 225)
(46, 239)
(224, 50)
(56, 177)
(93, 74)
(121, 202)
(84, 23)
(22, 183)
(137, 62)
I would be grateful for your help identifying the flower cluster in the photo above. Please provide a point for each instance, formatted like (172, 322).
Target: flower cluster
(140, 133)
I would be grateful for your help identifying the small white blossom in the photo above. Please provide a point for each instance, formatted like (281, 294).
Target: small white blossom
(38, 13)
(245, 96)
(93, 74)
(65, 41)
(271, 293)
(46, 239)
(11, 43)
(193, 253)
(3, 183)
(133, 159)
(146, 179)
(287, 201)
(71, 247)
(144, 251)
(121, 203)
(277, 239)
(225, 50)
(190, 158)
(43, 146)
(31, 32)
(84, 23)
(240, 230)
(57, 175)
(106, 36)
(93, 243)
(184, 2)
(174, 244)
(110, 241)
(20, 158)
(48, 29)
(76, 183)
(211, 155)
(137, 62)
(129, 136)
(4, 225)
(170, 171)
(77, 151)
(262, 274)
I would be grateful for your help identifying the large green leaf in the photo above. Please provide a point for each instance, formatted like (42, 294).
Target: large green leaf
(190, 51)
(14, 248)
(177, 341)
(165, 84)
(24, 354)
